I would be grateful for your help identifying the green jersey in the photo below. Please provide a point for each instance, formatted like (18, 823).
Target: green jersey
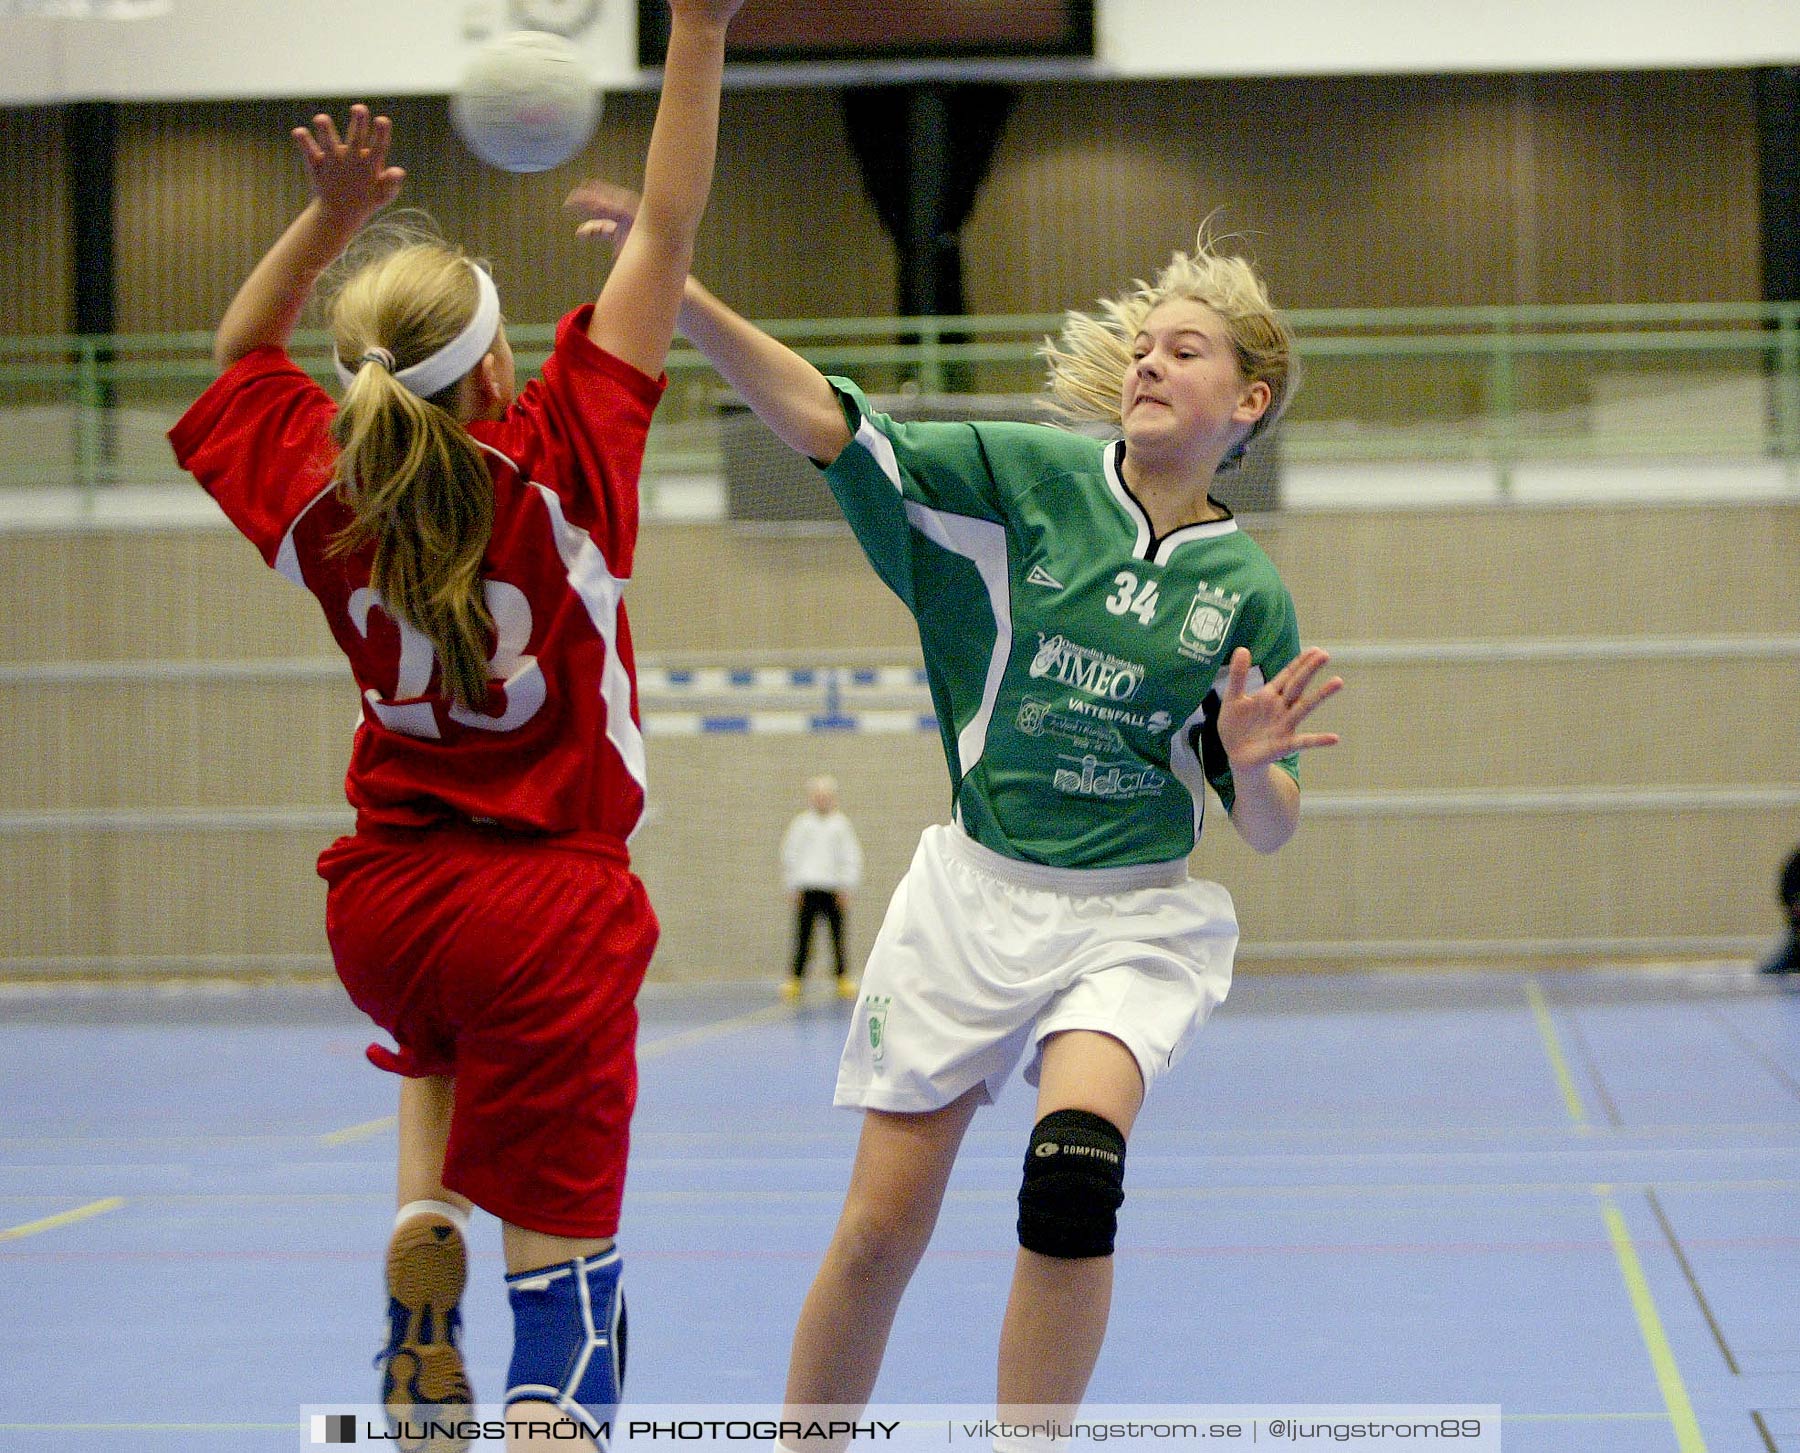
(1074, 657)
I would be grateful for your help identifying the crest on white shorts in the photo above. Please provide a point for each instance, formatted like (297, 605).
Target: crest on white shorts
(876, 1006)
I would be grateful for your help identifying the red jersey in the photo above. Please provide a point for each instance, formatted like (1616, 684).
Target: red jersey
(558, 747)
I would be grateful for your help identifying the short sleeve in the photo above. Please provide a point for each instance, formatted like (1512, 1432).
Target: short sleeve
(580, 431)
(944, 466)
(888, 466)
(258, 441)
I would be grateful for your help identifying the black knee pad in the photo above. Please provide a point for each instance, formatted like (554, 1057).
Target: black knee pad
(1074, 1185)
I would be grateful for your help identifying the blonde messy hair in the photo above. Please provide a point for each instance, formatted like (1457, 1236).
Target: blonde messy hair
(1088, 361)
(413, 476)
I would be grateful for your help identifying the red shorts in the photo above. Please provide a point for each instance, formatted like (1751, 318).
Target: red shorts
(513, 964)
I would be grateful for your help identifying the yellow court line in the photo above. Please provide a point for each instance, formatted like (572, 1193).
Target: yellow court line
(683, 1040)
(1650, 1327)
(350, 1134)
(1553, 1049)
(62, 1218)
(1662, 1356)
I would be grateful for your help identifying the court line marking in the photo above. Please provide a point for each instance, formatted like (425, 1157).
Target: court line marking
(1596, 1081)
(1650, 1327)
(1540, 1011)
(1637, 1287)
(1753, 1049)
(62, 1218)
(1693, 1280)
(350, 1134)
(682, 1039)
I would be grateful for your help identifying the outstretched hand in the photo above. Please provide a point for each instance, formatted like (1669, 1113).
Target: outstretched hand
(1259, 727)
(350, 175)
(608, 208)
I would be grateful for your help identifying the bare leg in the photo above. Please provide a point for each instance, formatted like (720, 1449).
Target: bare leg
(896, 1187)
(427, 1268)
(424, 1132)
(1057, 1311)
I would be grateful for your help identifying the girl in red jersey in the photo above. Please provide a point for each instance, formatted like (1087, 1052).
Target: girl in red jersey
(468, 548)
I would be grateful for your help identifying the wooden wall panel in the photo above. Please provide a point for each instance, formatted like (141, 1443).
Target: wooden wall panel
(1351, 192)
(173, 594)
(1646, 188)
(36, 285)
(204, 189)
(1381, 192)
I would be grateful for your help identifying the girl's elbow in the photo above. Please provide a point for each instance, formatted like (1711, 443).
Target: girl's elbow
(1266, 836)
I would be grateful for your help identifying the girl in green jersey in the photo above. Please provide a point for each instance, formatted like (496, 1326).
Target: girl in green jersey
(1048, 921)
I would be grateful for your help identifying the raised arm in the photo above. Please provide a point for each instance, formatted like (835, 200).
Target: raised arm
(635, 317)
(351, 182)
(786, 392)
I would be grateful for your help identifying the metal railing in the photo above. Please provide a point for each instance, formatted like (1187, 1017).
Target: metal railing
(1495, 386)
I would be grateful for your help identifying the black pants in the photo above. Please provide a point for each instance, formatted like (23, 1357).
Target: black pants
(817, 903)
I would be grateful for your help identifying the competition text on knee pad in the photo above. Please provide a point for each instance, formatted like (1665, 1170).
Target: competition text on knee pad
(1074, 1185)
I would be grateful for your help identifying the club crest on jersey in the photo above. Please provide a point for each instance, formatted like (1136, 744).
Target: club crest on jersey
(1208, 622)
(1097, 673)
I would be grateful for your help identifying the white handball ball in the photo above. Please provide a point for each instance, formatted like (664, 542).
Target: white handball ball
(526, 102)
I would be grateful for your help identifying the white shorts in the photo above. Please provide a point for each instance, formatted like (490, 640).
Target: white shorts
(981, 957)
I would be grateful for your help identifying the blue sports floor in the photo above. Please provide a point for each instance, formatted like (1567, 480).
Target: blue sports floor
(1573, 1195)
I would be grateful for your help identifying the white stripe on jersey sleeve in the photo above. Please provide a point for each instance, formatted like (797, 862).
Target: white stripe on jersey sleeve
(601, 591)
(287, 558)
(982, 542)
(881, 449)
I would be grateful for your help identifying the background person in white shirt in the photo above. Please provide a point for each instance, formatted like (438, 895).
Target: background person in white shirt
(821, 862)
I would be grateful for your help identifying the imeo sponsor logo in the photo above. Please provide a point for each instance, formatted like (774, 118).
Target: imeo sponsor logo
(1093, 672)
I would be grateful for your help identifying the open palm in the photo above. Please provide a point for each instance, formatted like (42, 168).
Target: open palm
(1259, 727)
(350, 174)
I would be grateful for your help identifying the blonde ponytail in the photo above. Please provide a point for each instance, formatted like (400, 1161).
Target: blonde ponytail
(415, 479)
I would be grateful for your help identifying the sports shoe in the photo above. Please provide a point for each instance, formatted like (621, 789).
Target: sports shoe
(847, 987)
(790, 990)
(423, 1382)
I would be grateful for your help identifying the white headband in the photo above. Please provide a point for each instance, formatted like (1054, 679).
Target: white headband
(430, 376)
